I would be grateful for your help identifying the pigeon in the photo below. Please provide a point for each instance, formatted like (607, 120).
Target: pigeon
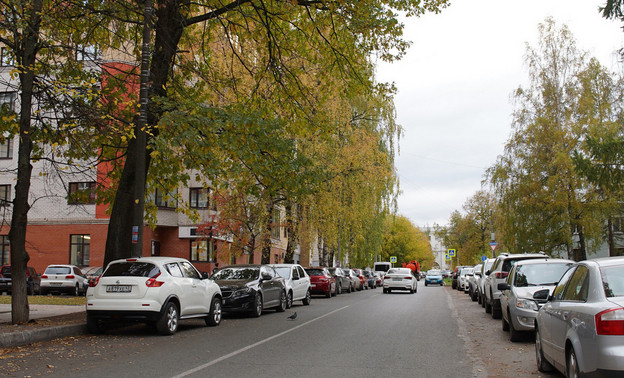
(293, 316)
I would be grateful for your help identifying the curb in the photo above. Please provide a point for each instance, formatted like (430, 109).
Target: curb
(13, 339)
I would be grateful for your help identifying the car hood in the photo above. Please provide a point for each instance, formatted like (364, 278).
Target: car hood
(232, 284)
(527, 292)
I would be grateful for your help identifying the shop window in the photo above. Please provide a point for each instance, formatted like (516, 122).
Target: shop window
(79, 249)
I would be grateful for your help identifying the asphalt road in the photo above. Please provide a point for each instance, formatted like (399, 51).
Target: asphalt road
(362, 334)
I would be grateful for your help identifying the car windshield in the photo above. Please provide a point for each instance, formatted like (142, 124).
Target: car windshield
(284, 271)
(315, 272)
(540, 274)
(131, 269)
(249, 273)
(613, 280)
(58, 270)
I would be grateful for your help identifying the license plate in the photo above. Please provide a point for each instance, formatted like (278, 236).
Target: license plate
(397, 279)
(118, 289)
(55, 284)
(312, 285)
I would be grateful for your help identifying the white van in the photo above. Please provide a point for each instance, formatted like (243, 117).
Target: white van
(382, 266)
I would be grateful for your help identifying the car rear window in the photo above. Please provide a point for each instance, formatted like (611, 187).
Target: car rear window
(131, 269)
(613, 280)
(509, 263)
(58, 270)
(315, 272)
(540, 274)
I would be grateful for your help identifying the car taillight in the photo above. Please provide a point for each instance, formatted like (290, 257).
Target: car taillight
(610, 322)
(407, 278)
(151, 282)
(93, 283)
(70, 277)
(44, 276)
(500, 275)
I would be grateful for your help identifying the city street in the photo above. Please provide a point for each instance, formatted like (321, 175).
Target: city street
(363, 334)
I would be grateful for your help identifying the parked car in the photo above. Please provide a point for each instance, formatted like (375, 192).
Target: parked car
(400, 279)
(434, 277)
(63, 279)
(464, 276)
(371, 280)
(92, 273)
(363, 281)
(447, 273)
(473, 290)
(487, 265)
(455, 276)
(378, 278)
(159, 291)
(580, 330)
(322, 281)
(518, 306)
(33, 280)
(355, 280)
(251, 288)
(297, 283)
(497, 274)
(342, 281)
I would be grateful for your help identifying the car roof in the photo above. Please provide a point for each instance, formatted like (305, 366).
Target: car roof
(547, 260)
(152, 259)
(606, 261)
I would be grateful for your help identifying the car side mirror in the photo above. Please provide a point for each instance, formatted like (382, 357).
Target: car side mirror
(204, 275)
(487, 272)
(503, 286)
(266, 276)
(542, 295)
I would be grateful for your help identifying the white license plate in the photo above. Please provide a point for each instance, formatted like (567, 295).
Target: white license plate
(312, 285)
(55, 284)
(118, 288)
(397, 279)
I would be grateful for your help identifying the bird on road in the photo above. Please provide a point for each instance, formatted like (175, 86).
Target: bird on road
(293, 316)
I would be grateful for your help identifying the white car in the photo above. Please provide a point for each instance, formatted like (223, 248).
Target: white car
(154, 290)
(400, 279)
(464, 277)
(63, 279)
(297, 283)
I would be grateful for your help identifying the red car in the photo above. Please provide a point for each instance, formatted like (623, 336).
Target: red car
(321, 281)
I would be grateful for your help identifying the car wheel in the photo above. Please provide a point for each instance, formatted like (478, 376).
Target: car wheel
(488, 306)
(76, 291)
(542, 365)
(95, 326)
(329, 293)
(168, 322)
(426, 284)
(349, 290)
(289, 300)
(478, 297)
(572, 369)
(257, 309)
(497, 313)
(283, 301)
(308, 298)
(505, 324)
(216, 314)
(339, 289)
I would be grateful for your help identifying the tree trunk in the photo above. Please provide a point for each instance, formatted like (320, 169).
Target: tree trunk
(610, 240)
(290, 232)
(169, 28)
(266, 235)
(19, 220)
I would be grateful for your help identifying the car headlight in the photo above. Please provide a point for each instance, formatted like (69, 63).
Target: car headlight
(528, 304)
(241, 292)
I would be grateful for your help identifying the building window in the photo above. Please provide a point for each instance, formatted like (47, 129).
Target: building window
(87, 52)
(6, 58)
(618, 224)
(5, 252)
(162, 199)
(275, 227)
(6, 149)
(199, 198)
(155, 248)
(5, 195)
(81, 193)
(8, 99)
(79, 246)
(202, 251)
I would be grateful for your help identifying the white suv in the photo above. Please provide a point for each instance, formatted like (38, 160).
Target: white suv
(63, 278)
(155, 290)
(498, 274)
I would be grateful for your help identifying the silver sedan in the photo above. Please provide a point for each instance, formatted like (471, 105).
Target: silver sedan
(580, 330)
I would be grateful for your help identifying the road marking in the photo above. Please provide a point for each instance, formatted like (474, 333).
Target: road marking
(236, 352)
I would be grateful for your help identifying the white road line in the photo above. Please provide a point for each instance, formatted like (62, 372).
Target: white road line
(236, 352)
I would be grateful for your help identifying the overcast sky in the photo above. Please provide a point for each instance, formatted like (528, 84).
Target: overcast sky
(454, 89)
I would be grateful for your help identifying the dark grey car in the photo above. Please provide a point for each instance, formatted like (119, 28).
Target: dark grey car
(343, 283)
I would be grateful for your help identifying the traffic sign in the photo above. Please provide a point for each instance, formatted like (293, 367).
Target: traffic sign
(493, 245)
(393, 259)
(447, 257)
(483, 258)
(451, 252)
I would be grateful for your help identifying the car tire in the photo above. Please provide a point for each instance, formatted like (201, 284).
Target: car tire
(307, 299)
(542, 364)
(479, 301)
(76, 292)
(426, 284)
(505, 324)
(216, 313)
(257, 308)
(339, 289)
(283, 301)
(168, 322)
(95, 326)
(572, 369)
(488, 305)
(514, 334)
(289, 300)
(349, 290)
(497, 313)
(329, 293)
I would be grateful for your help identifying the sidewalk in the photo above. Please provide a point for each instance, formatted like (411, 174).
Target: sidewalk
(23, 335)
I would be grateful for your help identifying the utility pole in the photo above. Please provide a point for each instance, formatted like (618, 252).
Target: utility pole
(493, 242)
(141, 134)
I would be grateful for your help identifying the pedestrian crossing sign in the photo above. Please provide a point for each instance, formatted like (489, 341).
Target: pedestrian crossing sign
(451, 252)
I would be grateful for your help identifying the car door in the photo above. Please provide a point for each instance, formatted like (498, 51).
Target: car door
(270, 290)
(184, 287)
(547, 314)
(199, 301)
(295, 282)
(304, 279)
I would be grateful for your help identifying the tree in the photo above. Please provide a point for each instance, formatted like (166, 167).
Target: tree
(405, 241)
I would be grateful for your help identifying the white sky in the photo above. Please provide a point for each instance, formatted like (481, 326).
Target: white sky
(454, 89)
